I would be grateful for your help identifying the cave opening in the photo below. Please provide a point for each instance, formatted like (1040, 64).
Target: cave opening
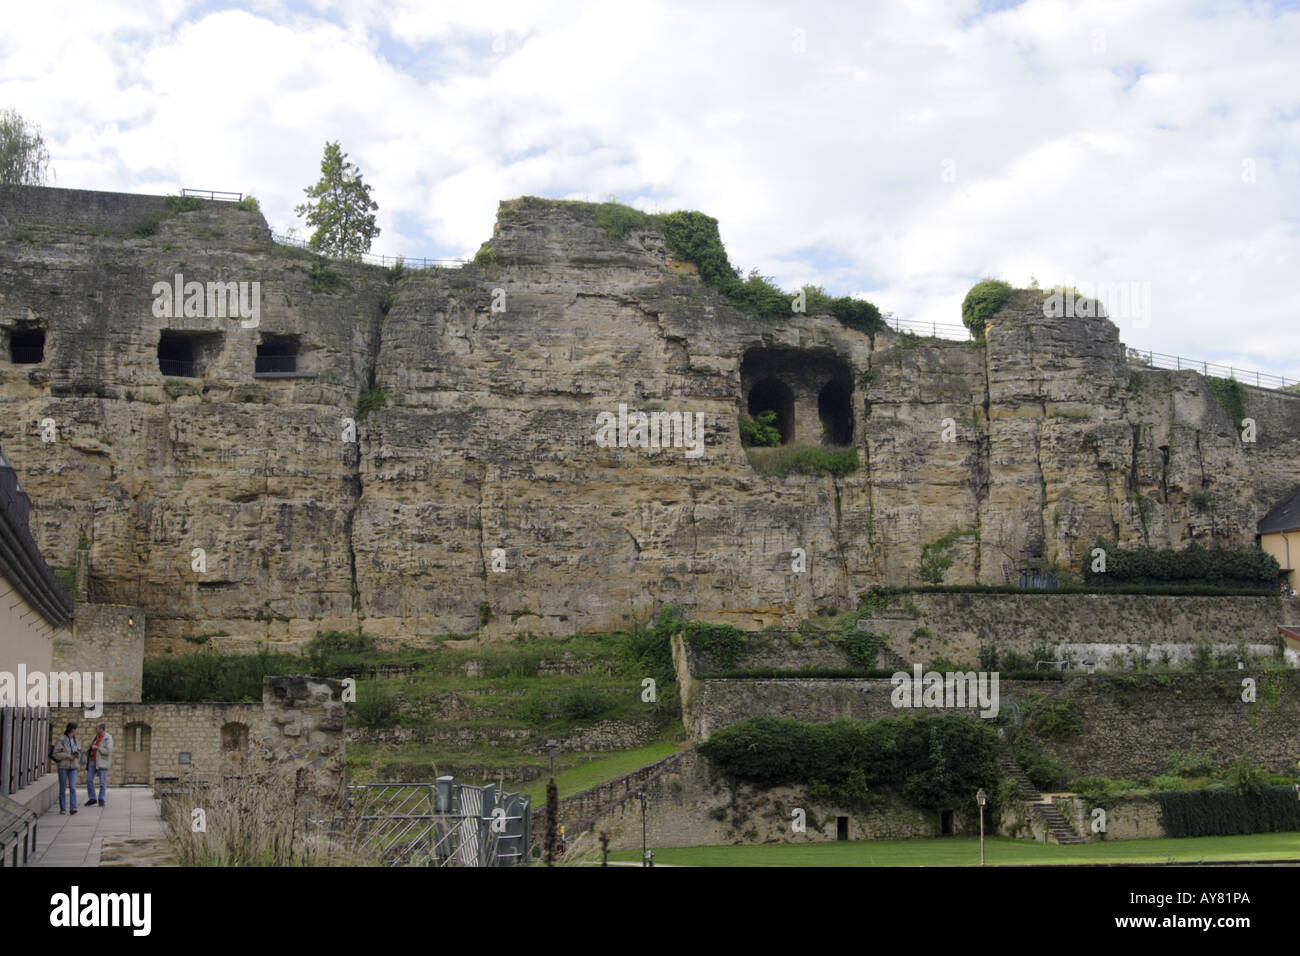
(773, 395)
(835, 409)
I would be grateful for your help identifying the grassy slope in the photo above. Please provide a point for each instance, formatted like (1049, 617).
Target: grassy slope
(964, 851)
(604, 767)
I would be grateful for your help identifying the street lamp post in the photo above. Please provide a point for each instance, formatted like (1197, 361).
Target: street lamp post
(647, 858)
(552, 748)
(981, 798)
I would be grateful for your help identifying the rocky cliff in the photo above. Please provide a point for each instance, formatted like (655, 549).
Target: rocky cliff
(423, 453)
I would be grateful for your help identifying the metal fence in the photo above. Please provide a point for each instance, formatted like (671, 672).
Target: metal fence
(24, 746)
(938, 330)
(1179, 363)
(370, 258)
(176, 368)
(275, 364)
(213, 194)
(1150, 359)
(442, 824)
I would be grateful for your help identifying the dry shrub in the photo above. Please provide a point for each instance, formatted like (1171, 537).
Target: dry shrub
(256, 821)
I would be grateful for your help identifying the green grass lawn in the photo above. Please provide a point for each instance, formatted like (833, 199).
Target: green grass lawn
(605, 767)
(965, 851)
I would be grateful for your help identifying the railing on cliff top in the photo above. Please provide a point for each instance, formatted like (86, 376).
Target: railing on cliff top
(1140, 356)
(371, 258)
(214, 194)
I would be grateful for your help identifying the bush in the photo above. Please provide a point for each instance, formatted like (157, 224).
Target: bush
(585, 703)
(323, 276)
(982, 302)
(177, 204)
(804, 460)
(940, 760)
(1190, 763)
(213, 677)
(760, 431)
(145, 226)
(371, 401)
(721, 642)
(1229, 393)
(1227, 812)
(375, 706)
(1223, 568)
(249, 204)
(1045, 771)
(694, 237)
(1053, 719)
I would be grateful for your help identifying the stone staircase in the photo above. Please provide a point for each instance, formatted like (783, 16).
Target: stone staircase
(1054, 822)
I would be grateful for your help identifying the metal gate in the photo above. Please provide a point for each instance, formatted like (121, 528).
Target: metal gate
(442, 824)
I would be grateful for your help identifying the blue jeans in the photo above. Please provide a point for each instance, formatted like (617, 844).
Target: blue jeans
(67, 785)
(91, 771)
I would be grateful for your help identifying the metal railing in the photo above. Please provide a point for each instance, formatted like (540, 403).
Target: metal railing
(1142, 356)
(271, 364)
(937, 330)
(1180, 363)
(176, 368)
(217, 195)
(26, 355)
(374, 259)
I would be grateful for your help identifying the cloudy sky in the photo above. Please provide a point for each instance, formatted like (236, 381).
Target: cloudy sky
(894, 150)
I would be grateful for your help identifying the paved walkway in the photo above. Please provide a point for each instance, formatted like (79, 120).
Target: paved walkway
(67, 840)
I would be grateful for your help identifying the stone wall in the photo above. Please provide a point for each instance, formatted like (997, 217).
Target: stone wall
(303, 722)
(486, 437)
(168, 731)
(107, 638)
(297, 731)
(1106, 628)
(1131, 723)
(1127, 818)
(690, 804)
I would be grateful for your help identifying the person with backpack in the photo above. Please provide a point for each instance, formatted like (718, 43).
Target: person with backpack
(66, 752)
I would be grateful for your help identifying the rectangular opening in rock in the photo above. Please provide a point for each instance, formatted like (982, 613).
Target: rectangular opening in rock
(187, 354)
(27, 346)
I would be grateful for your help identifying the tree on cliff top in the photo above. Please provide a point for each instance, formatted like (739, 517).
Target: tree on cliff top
(982, 303)
(24, 160)
(343, 212)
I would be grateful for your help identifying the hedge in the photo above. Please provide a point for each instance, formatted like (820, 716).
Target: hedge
(940, 760)
(1227, 813)
(1228, 568)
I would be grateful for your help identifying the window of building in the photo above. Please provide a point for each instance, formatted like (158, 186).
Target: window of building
(234, 736)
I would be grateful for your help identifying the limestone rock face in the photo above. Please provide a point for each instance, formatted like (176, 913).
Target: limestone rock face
(469, 490)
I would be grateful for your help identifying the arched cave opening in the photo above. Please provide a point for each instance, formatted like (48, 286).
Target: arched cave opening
(835, 409)
(771, 394)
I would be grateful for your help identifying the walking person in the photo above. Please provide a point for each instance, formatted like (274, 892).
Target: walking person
(99, 759)
(66, 753)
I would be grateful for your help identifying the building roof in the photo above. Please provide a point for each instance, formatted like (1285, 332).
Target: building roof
(1284, 516)
(21, 563)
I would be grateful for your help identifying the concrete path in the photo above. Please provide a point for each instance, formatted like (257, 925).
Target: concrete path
(66, 840)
